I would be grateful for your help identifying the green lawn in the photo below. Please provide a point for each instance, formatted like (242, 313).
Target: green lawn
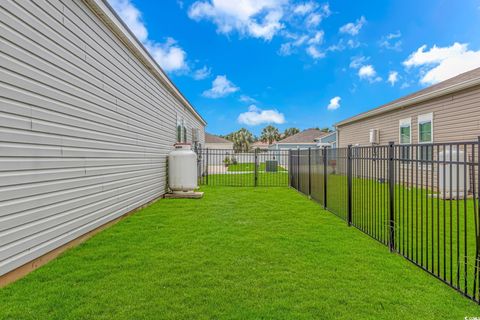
(237, 253)
(429, 230)
(250, 166)
(242, 179)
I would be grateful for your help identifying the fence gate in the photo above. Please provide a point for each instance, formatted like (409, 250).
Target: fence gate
(226, 167)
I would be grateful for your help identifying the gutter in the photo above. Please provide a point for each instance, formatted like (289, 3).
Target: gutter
(421, 98)
(106, 13)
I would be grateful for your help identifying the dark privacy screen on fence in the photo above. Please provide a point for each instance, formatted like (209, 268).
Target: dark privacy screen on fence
(225, 167)
(420, 200)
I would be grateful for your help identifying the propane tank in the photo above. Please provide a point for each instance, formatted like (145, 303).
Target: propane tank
(182, 168)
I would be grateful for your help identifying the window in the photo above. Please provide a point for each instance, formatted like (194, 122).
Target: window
(184, 132)
(425, 128)
(405, 132)
(179, 131)
(425, 135)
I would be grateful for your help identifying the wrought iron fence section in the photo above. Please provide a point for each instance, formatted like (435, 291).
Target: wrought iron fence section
(420, 200)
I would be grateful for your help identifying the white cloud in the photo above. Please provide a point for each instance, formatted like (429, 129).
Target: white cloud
(295, 23)
(441, 63)
(353, 28)
(288, 48)
(358, 61)
(255, 116)
(315, 53)
(304, 8)
(368, 73)
(132, 17)
(169, 55)
(393, 77)
(254, 18)
(202, 73)
(342, 45)
(392, 41)
(334, 103)
(221, 87)
(247, 99)
(317, 38)
(315, 18)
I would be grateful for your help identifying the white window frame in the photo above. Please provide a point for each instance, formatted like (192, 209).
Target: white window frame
(425, 118)
(403, 122)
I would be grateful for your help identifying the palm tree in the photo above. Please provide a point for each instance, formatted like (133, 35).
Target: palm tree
(290, 132)
(270, 134)
(242, 139)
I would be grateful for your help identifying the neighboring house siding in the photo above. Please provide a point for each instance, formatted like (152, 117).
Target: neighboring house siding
(219, 145)
(85, 128)
(456, 117)
(292, 146)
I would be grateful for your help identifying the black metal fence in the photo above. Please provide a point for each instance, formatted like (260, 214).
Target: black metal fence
(420, 200)
(225, 167)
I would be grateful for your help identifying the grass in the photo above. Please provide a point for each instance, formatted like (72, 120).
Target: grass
(247, 179)
(237, 253)
(429, 230)
(250, 166)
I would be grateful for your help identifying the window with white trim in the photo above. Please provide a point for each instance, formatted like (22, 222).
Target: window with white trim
(425, 135)
(405, 137)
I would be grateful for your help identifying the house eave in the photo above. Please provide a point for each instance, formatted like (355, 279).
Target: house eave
(406, 103)
(108, 15)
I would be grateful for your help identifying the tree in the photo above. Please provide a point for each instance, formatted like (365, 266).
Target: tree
(326, 129)
(242, 139)
(290, 132)
(270, 134)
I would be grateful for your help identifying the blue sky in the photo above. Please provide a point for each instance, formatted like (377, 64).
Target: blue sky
(304, 64)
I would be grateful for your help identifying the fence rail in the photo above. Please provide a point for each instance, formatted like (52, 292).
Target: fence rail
(420, 200)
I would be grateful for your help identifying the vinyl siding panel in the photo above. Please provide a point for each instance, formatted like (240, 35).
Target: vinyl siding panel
(456, 117)
(85, 127)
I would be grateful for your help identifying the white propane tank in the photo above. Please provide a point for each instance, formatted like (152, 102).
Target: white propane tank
(453, 179)
(182, 168)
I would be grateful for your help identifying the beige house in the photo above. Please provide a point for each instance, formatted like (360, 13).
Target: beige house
(445, 112)
(216, 142)
(260, 145)
(308, 138)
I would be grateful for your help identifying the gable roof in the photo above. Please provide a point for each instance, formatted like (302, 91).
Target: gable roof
(260, 144)
(210, 138)
(306, 136)
(462, 81)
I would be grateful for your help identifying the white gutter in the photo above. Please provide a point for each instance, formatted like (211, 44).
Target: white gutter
(106, 13)
(405, 103)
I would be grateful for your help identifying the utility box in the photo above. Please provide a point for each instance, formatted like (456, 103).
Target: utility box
(271, 166)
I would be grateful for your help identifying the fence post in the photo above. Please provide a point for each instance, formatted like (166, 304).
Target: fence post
(309, 171)
(298, 169)
(290, 167)
(325, 163)
(349, 185)
(256, 169)
(391, 188)
(206, 171)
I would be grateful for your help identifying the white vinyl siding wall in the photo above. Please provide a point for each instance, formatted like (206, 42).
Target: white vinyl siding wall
(85, 127)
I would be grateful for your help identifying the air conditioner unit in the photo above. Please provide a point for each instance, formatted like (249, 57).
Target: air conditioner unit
(374, 136)
(453, 176)
(195, 135)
